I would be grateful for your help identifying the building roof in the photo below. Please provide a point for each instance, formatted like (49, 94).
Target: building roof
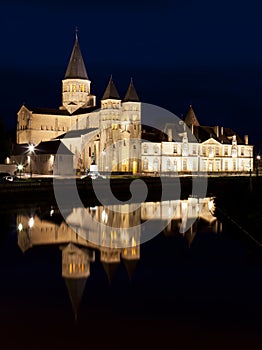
(131, 94)
(20, 149)
(52, 147)
(190, 118)
(76, 68)
(76, 133)
(111, 91)
(58, 111)
(224, 135)
(152, 134)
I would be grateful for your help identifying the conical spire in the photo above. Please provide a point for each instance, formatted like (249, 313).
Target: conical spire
(111, 91)
(76, 68)
(191, 118)
(131, 94)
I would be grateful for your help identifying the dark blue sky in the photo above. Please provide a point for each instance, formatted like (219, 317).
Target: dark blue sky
(178, 52)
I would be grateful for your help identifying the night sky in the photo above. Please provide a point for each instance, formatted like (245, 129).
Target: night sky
(180, 52)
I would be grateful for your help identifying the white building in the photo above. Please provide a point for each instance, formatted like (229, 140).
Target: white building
(187, 147)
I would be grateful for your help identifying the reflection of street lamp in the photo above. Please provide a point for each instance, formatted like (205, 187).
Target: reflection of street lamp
(20, 168)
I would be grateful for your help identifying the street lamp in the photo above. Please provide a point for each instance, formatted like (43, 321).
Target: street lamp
(257, 164)
(31, 150)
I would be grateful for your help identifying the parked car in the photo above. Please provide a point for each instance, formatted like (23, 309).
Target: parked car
(9, 178)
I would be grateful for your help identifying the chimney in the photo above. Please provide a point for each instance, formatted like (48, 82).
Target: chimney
(216, 130)
(222, 130)
(246, 139)
(169, 135)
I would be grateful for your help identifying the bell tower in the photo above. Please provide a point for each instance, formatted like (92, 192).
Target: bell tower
(76, 85)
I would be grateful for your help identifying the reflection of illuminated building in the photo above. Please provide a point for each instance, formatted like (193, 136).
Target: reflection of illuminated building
(48, 228)
(183, 216)
(117, 242)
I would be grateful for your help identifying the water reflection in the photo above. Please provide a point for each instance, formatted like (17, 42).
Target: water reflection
(46, 226)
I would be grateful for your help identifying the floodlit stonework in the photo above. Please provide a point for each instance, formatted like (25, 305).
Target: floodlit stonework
(86, 130)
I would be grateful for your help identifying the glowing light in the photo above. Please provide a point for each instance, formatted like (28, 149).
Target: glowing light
(104, 216)
(20, 167)
(20, 227)
(31, 148)
(258, 157)
(31, 222)
(184, 205)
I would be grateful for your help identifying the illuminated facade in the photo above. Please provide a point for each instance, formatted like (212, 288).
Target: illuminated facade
(84, 128)
(115, 135)
(189, 147)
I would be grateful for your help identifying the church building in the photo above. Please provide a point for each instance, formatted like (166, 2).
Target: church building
(113, 134)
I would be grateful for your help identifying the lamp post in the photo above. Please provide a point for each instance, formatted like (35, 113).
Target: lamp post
(257, 164)
(31, 149)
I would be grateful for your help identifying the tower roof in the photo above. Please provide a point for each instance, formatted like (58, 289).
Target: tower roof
(76, 68)
(131, 94)
(111, 91)
(191, 118)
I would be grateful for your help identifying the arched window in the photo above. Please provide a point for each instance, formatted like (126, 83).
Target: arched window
(156, 164)
(145, 164)
(156, 149)
(168, 164)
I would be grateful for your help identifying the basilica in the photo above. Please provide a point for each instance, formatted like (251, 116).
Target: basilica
(67, 139)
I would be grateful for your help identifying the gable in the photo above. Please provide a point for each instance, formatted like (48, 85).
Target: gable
(211, 141)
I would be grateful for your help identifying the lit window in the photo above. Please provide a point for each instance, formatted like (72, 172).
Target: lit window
(145, 164)
(184, 164)
(168, 164)
(156, 149)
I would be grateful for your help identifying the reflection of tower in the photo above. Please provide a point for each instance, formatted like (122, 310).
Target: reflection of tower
(130, 257)
(110, 259)
(76, 270)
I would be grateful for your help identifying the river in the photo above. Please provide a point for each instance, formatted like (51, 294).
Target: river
(66, 283)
